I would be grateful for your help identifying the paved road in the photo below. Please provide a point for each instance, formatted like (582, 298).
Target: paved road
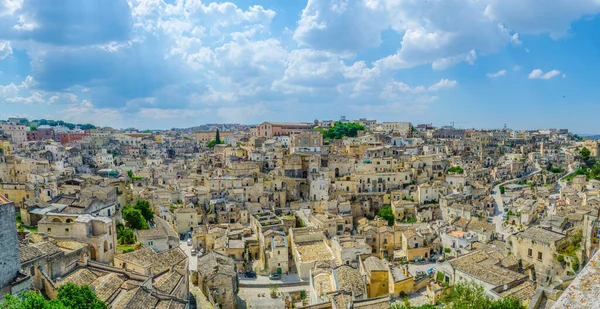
(193, 260)
(249, 297)
(261, 280)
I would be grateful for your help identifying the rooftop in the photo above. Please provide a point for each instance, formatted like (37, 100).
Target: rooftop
(349, 280)
(213, 263)
(375, 264)
(481, 265)
(314, 251)
(541, 235)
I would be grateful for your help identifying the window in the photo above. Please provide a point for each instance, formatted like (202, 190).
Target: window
(67, 231)
(150, 243)
(529, 252)
(49, 230)
(539, 256)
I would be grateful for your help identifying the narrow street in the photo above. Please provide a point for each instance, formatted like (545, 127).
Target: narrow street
(499, 211)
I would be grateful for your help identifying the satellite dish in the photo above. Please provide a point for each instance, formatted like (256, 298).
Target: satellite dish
(505, 287)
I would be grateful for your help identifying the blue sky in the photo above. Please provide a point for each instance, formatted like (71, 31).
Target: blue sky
(178, 63)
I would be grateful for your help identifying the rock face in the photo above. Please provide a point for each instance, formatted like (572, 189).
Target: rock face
(9, 243)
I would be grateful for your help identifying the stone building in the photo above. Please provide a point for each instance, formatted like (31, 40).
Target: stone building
(186, 219)
(308, 248)
(218, 279)
(539, 248)
(98, 232)
(12, 281)
(160, 237)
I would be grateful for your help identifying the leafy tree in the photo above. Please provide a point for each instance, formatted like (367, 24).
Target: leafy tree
(211, 144)
(502, 189)
(125, 236)
(79, 297)
(69, 296)
(585, 153)
(30, 300)
(130, 174)
(339, 130)
(386, 213)
(144, 207)
(469, 295)
(218, 138)
(456, 169)
(134, 218)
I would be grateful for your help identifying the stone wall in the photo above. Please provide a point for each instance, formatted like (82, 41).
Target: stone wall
(9, 242)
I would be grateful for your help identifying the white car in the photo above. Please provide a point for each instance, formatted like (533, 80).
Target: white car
(189, 242)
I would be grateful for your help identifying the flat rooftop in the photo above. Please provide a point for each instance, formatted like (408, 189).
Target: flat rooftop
(314, 251)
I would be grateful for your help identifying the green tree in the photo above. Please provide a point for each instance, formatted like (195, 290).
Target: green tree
(79, 297)
(211, 144)
(134, 218)
(585, 153)
(456, 169)
(125, 236)
(469, 295)
(144, 207)
(386, 213)
(130, 174)
(69, 296)
(30, 300)
(339, 130)
(218, 138)
(502, 189)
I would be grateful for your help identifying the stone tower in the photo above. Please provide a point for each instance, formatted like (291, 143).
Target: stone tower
(9, 243)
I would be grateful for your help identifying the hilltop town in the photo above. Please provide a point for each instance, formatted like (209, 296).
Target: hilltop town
(323, 214)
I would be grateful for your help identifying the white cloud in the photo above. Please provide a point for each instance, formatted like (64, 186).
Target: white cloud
(442, 64)
(497, 74)
(515, 39)
(442, 84)
(539, 74)
(86, 112)
(9, 7)
(516, 68)
(5, 49)
(428, 35)
(218, 60)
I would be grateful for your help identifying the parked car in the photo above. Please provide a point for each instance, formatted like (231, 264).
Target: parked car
(431, 271)
(250, 274)
(490, 220)
(441, 258)
(275, 276)
(189, 242)
(420, 273)
(505, 209)
(504, 216)
(194, 252)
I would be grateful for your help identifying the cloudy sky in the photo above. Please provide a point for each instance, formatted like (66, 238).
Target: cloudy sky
(177, 63)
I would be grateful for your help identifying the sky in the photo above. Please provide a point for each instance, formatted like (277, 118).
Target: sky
(158, 64)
